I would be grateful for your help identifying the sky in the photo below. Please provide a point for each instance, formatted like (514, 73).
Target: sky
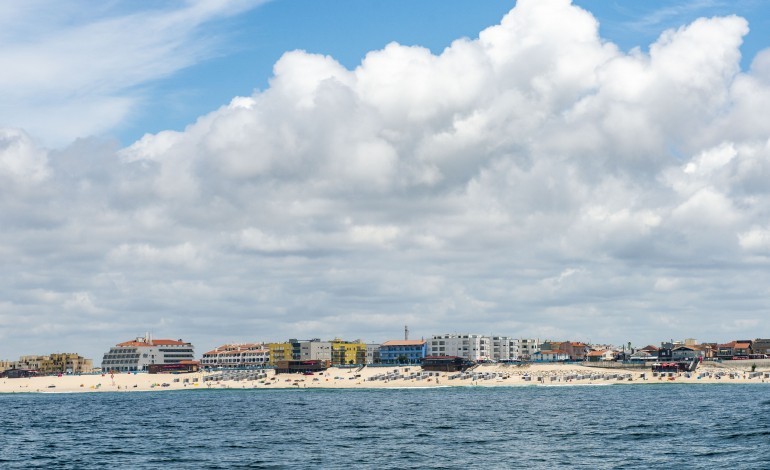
(231, 171)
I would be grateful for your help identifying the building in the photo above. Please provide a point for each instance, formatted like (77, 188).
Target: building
(686, 352)
(182, 367)
(445, 363)
(294, 366)
(316, 350)
(760, 346)
(548, 355)
(524, 348)
(403, 351)
(575, 350)
(470, 347)
(18, 374)
(136, 355)
(56, 363)
(372, 353)
(348, 352)
(280, 352)
(502, 348)
(734, 349)
(601, 355)
(237, 355)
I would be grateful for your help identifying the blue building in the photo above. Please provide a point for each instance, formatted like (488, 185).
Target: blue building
(410, 351)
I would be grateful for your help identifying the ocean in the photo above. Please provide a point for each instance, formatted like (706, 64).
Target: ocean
(617, 426)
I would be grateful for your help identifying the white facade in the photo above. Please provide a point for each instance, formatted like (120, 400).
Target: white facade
(471, 347)
(136, 355)
(502, 348)
(237, 355)
(372, 353)
(524, 348)
(315, 350)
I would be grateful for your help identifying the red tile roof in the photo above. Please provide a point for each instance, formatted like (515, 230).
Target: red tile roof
(152, 342)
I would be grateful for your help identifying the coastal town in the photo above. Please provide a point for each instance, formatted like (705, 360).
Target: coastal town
(444, 352)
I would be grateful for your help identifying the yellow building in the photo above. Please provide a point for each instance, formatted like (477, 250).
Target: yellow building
(348, 352)
(279, 352)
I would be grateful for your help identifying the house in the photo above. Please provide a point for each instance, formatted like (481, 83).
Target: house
(686, 353)
(405, 351)
(734, 349)
(602, 355)
(550, 356)
(643, 356)
(575, 350)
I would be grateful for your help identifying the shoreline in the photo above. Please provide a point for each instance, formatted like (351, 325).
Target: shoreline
(395, 377)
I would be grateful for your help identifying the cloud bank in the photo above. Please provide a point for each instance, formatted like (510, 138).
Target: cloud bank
(535, 181)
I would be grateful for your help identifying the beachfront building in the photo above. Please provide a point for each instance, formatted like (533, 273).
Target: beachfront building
(502, 348)
(237, 355)
(403, 351)
(468, 346)
(315, 350)
(760, 346)
(136, 355)
(601, 355)
(734, 349)
(547, 355)
(56, 363)
(280, 352)
(524, 348)
(372, 353)
(5, 365)
(686, 353)
(348, 352)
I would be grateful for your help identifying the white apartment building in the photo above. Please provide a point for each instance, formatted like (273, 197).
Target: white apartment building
(315, 350)
(524, 348)
(502, 348)
(137, 354)
(237, 355)
(468, 346)
(372, 353)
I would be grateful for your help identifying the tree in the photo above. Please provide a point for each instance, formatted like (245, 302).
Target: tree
(402, 359)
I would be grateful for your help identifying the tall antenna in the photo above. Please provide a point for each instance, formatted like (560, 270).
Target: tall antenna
(406, 332)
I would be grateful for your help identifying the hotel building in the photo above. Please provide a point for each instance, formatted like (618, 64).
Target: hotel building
(136, 355)
(237, 355)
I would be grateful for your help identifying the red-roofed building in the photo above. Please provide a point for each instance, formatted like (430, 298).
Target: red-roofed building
(237, 355)
(734, 349)
(138, 354)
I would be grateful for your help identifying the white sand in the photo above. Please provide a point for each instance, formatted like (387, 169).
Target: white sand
(507, 375)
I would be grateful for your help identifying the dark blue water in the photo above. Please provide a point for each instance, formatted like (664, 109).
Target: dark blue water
(655, 426)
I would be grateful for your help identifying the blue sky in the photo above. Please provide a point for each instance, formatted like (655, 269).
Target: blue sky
(348, 29)
(260, 170)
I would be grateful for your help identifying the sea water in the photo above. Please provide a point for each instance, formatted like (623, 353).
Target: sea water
(619, 426)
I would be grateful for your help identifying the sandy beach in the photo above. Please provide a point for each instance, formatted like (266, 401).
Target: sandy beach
(487, 375)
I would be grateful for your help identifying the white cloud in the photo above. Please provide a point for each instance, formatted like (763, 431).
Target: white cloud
(73, 69)
(535, 178)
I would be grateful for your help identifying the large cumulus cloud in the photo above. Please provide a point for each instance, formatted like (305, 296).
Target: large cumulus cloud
(534, 181)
